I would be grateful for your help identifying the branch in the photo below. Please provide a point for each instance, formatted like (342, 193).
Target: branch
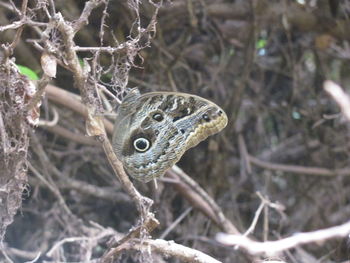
(176, 250)
(71, 101)
(220, 217)
(72, 136)
(89, 96)
(84, 17)
(274, 247)
(117, 246)
(299, 169)
(340, 97)
(143, 203)
(170, 248)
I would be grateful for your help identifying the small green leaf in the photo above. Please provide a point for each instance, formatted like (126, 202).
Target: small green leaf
(81, 62)
(27, 72)
(261, 43)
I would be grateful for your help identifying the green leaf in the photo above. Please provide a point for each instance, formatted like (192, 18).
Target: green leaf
(81, 62)
(27, 72)
(261, 43)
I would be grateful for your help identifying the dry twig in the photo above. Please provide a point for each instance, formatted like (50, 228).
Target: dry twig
(169, 248)
(274, 247)
(340, 97)
(220, 217)
(299, 169)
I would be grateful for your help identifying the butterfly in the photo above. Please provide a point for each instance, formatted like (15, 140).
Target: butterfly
(153, 130)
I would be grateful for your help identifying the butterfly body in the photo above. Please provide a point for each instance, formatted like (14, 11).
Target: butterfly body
(153, 130)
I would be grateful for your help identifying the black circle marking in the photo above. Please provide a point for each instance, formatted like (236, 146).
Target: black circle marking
(206, 117)
(182, 131)
(158, 116)
(141, 144)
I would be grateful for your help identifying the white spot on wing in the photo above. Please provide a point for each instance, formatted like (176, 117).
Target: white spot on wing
(174, 106)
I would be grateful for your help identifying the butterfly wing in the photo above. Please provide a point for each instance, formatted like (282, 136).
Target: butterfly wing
(153, 130)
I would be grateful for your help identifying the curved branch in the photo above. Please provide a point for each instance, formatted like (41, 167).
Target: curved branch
(273, 247)
(168, 248)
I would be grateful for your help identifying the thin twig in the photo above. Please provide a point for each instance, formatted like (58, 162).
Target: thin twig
(255, 219)
(244, 153)
(274, 247)
(52, 187)
(340, 97)
(102, 234)
(107, 193)
(20, 29)
(175, 223)
(72, 136)
(299, 169)
(191, 196)
(50, 123)
(22, 253)
(71, 101)
(84, 17)
(226, 224)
